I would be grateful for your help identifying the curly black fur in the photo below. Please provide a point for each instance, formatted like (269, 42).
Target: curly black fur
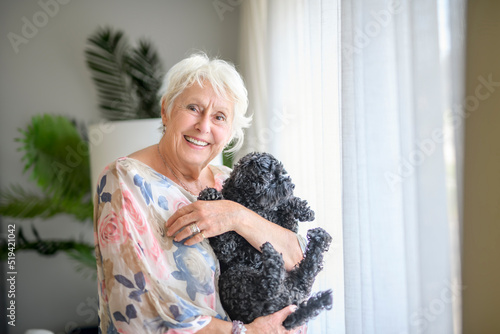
(253, 283)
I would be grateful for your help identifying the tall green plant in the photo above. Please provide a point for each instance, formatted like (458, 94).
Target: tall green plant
(57, 156)
(127, 79)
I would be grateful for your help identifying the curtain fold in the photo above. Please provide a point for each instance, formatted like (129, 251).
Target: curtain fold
(296, 116)
(360, 100)
(400, 222)
(253, 57)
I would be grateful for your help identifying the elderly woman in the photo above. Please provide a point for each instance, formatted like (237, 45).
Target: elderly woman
(156, 270)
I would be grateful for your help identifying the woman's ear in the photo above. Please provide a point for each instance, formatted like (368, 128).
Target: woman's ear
(163, 113)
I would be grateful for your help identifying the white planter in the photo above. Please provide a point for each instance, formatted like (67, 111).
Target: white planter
(111, 140)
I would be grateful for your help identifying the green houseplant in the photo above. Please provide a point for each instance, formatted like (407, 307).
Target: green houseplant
(55, 152)
(127, 79)
(56, 149)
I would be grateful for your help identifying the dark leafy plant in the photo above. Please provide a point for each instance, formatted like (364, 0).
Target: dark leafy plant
(57, 155)
(56, 151)
(127, 79)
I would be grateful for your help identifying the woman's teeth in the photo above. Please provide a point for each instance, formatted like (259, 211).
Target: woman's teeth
(196, 142)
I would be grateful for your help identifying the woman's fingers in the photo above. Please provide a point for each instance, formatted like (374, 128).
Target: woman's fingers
(195, 239)
(281, 315)
(181, 226)
(182, 211)
(212, 217)
(272, 323)
(285, 312)
(205, 215)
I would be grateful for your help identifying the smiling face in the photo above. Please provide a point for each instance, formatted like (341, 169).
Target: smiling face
(198, 127)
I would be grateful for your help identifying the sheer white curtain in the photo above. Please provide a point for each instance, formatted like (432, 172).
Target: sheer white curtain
(401, 117)
(362, 101)
(289, 58)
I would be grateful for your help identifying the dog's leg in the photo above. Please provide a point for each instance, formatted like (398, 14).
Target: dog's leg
(240, 294)
(273, 270)
(301, 278)
(248, 292)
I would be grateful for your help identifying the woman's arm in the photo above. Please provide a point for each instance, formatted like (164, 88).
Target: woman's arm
(217, 217)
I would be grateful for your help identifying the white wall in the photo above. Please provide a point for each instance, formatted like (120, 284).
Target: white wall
(48, 74)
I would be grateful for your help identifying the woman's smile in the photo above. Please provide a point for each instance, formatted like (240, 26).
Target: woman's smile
(197, 142)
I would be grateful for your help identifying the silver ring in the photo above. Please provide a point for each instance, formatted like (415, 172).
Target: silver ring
(194, 229)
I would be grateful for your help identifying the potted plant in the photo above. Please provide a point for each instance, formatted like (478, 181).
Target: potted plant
(58, 151)
(57, 155)
(128, 80)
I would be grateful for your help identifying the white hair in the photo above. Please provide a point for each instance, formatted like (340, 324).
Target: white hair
(225, 80)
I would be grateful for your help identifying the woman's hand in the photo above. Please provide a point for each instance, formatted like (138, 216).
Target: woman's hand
(270, 324)
(216, 217)
(273, 323)
(211, 217)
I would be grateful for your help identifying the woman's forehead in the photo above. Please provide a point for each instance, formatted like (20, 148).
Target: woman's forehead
(206, 94)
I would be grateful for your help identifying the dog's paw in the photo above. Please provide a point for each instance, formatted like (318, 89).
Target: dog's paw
(210, 194)
(318, 236)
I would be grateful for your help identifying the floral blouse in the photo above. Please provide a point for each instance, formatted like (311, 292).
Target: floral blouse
(148, 283)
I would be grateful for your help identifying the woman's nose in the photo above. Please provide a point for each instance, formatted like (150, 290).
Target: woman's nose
(203, 124)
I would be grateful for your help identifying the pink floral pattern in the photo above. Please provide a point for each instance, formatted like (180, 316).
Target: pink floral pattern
(149, 283)
(112, 230)
(132, 213)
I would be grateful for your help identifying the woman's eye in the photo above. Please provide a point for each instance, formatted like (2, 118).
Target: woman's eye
(220, 117)
(192, 107)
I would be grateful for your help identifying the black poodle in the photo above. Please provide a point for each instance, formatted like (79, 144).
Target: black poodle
(253, 283)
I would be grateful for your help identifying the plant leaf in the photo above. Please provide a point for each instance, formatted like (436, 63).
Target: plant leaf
(107, 57)
(58, 157)
(146, 71)
(84, 255)
(48, 247)
(18, 203)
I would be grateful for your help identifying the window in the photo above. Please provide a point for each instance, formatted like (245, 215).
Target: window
(355, 98)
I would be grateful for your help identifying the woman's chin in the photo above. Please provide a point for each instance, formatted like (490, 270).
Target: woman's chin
(199, 158)
(199, 155)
